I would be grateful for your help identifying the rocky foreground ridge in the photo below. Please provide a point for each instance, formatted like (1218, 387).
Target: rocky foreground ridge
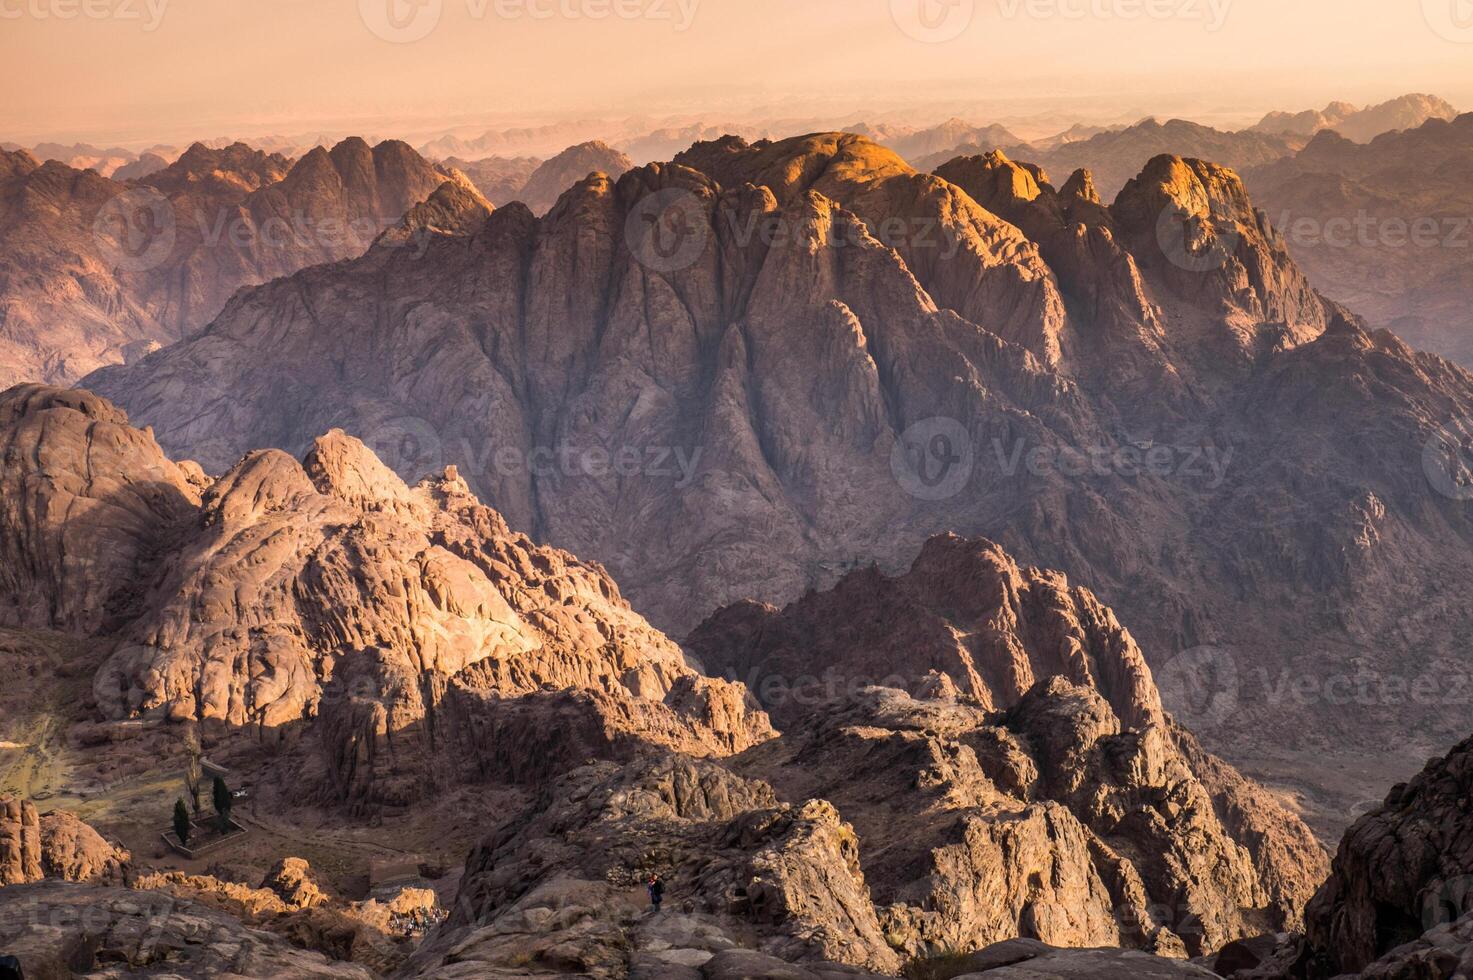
(745, 372)
(391, 641)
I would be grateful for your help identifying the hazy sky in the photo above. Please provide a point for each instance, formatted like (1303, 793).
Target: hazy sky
(172, 70)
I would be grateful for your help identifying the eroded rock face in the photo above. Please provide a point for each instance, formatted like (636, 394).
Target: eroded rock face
(965, 610)
(86, 502)
(722, 843)
(20, 842)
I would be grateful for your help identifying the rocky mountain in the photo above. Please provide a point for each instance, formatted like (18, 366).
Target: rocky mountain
(233, 601)
(1360, 124)
(58, 929)
(945, 139)
(498, 179)
(146, 164)
(84, 156)
(388, 643)
(93, 271)
(547, 183)
(743, 373)
(1115, 156)
(1385, 227)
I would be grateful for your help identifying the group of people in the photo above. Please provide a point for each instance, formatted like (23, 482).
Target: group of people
(417, 920)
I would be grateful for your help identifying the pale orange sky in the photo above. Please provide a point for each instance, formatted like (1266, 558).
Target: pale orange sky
(243, 67)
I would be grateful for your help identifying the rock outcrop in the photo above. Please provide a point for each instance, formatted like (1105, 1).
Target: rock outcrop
(1037, 742)
(53, 845)
(59, 929)
(1401, 884)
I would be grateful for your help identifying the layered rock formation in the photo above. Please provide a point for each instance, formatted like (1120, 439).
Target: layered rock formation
(95, 270)
(744, 373)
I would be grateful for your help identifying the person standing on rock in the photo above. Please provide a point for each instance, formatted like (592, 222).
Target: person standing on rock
(657, 891)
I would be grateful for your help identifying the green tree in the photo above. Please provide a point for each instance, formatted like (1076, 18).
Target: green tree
(181, 822)
(223, 802)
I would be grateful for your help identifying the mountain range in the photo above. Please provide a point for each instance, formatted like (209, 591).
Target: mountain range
(96, 271)
(1386, 227)
(744, 373)
(391, 644)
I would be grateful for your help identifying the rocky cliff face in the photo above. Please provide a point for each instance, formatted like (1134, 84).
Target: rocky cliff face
(94, 271)
(745, 372)
(1401, 885)
(58, 929)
